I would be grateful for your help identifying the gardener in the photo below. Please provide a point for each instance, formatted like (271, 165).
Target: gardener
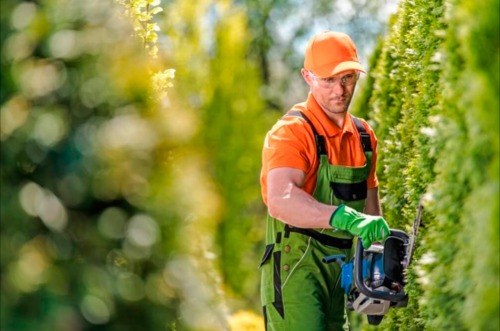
(319, 184)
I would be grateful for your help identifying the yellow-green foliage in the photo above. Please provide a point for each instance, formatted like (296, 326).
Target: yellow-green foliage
(217, 85)
(434, 100)
(116, 198)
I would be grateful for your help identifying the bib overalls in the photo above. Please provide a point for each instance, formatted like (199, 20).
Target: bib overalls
(299, 291)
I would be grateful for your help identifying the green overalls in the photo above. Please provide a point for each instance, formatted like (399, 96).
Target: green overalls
(299, 291)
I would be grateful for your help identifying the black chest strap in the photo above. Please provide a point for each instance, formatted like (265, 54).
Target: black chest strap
(366, 141)
(319, 139)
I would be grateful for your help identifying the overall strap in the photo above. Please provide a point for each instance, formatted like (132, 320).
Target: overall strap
(325, 239)
(366, 141)
(320, 140)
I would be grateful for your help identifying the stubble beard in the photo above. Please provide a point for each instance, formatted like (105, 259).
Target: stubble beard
(336, 108)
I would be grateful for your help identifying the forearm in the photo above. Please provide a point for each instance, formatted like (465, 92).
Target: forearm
(297, 208)
(372, 204)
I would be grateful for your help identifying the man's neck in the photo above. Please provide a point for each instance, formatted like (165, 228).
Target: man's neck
(337, 118)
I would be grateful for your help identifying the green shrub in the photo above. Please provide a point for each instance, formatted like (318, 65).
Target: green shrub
(433, 99)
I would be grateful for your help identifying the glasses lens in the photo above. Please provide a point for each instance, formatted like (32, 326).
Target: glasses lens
(348, 79)
(345, 80)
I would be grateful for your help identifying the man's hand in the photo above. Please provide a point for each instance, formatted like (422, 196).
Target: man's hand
(368, 228)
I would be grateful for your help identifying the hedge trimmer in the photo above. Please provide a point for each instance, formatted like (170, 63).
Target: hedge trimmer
(374, 279)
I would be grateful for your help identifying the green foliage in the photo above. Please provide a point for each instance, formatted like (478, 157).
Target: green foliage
(472, 94)
(435, 106)
(223, 92)
(233, 111)
(109, 201)
(81, 247)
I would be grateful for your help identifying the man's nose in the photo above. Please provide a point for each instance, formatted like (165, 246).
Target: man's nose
(338, 88)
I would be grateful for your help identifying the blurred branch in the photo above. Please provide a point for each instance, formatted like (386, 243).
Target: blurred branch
(142, 14)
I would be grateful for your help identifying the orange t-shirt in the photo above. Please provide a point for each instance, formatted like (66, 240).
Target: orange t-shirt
(290, 143)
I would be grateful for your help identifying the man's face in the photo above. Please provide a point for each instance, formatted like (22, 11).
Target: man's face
(334, 93)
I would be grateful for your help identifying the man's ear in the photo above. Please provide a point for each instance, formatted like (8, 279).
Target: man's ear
(307, 76)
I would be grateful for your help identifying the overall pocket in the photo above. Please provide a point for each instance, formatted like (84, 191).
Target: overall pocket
(350, 191)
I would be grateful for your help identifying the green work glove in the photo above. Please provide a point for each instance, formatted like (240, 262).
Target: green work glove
(367, 227)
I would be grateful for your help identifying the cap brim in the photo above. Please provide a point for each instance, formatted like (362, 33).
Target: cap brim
(328, 71)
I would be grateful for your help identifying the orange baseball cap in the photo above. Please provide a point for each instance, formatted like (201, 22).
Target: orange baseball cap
(329, 53)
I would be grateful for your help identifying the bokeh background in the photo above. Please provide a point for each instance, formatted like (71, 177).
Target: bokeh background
(131, 134)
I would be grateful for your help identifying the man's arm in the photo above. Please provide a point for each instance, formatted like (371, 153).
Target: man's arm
(287, 201)
(372, 204)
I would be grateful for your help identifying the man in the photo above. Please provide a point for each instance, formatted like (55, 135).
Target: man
(319, 184)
